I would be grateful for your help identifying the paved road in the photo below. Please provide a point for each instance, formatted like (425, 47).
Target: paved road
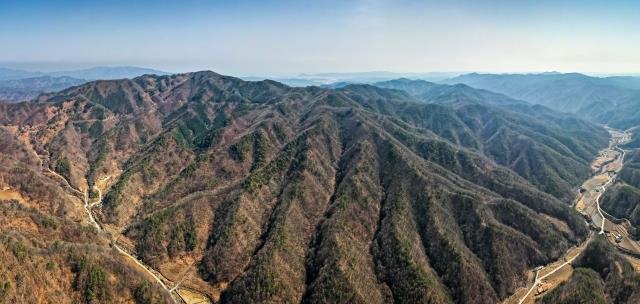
(603, 188)
(538, 280)
(613, 145)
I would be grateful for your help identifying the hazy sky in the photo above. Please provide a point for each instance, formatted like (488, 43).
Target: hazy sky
(288, 37)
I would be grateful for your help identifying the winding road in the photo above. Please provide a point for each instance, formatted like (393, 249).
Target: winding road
(172, 291)
(538, 280)
(149, 270)
(157, 276)
(590, 186)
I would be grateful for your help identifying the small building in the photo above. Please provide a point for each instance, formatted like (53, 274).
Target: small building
(617, 237)
(541, 289)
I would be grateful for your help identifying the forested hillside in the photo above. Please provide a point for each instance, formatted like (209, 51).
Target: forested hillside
(260, 192)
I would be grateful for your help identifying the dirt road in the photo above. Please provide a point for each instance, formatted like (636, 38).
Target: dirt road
(539, 279)
(606, 166)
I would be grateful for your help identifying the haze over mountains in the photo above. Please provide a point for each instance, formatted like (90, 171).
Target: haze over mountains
(312, 152)
(610, 100)
(93, 73)
(361, 194)
(21, 85)
(401, 190)
(330, 79)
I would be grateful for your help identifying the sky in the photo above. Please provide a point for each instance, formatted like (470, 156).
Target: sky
(278, 38)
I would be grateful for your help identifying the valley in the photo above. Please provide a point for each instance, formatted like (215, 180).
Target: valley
(178, 294)
(606, 168)
(319, 152)
(221, 190)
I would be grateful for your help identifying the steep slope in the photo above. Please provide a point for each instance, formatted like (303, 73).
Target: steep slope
(18, 85)
(608, 100)
(625, 115)
(585, 286)
(446, 94)
(602, 275)
(622, 200)
(629, 82)
(536, 142)
(258, 192)
(48, 251)
(571, 92)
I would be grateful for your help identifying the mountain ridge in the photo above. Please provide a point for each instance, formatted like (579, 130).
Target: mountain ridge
(19, 85)
(607, 100)
(360, 194)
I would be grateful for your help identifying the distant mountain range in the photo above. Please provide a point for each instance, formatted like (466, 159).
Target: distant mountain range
(292, 82)
(565, 92)
(21, 85)
(376, 76)
(94, 73)
(29, 88)
(333, 80)
(414, 193)
(447, 94)
(108, 73)
(10, 74)
(613, 100)
(608, 100)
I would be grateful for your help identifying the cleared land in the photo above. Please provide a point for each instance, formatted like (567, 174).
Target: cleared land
(607, 166)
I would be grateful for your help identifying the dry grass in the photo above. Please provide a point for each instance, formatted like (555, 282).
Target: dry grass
(597, 164)
(558, 224)
(614, 166)
(599, 179)
(191, 297)
(634, 261)
(7, 194)
(569, 255)
(554, 280)
(183, 270)
(580, 205)
(515, 298)
(273, 228)
(604, 157)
